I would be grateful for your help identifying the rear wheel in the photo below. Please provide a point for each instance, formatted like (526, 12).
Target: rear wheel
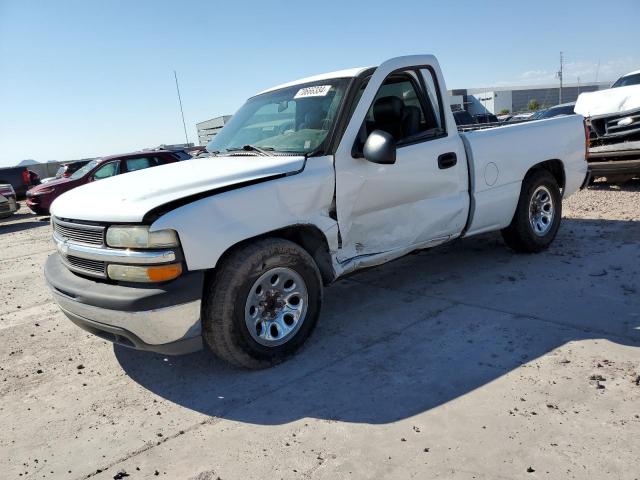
(263, 303)
(538, 214)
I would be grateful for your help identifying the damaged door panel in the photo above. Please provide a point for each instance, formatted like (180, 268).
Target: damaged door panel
(384, 208)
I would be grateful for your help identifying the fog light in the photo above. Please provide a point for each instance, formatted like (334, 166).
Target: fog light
(135, 273)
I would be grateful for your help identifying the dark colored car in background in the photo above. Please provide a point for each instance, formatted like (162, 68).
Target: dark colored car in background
(557, 111)
(486, 118)
(20, 178)
(463, 117)
(39, 198)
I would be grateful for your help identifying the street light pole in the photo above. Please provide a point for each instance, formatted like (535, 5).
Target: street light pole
(184, 125)
(560, 77)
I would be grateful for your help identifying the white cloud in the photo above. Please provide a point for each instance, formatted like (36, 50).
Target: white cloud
(588, 71)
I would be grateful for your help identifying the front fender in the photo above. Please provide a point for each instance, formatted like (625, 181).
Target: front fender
(208, 227)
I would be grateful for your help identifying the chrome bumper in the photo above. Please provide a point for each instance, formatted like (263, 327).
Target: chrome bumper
(153, 327)
(163, 318)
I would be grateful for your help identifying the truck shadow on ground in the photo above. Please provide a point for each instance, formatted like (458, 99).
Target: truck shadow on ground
(409, 336)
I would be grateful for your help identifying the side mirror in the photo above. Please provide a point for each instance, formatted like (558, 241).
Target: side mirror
(380, 147)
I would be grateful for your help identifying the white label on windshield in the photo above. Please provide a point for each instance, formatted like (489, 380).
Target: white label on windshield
(317, 91)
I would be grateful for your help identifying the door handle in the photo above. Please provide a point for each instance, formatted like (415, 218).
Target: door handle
(447, 160)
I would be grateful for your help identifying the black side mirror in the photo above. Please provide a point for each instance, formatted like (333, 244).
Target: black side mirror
(380, 147)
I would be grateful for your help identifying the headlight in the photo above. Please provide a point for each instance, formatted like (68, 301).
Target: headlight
(139, 236)
(150, 274)
(45, 191)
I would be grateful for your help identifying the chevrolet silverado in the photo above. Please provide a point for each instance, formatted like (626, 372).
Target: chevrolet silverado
(308, 181)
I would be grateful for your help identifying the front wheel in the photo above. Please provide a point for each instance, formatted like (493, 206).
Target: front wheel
(537, 217)
(262, 303)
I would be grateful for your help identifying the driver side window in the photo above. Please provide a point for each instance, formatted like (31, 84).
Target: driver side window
(402, 109)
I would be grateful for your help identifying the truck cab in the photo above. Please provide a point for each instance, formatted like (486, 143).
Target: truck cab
(308, 181)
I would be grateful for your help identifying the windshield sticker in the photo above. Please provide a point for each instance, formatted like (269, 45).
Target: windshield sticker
(317, 91)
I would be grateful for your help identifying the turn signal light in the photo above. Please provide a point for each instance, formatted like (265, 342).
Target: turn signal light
(152, 274)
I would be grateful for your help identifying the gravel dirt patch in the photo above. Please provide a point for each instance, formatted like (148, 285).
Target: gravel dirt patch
(465, 361)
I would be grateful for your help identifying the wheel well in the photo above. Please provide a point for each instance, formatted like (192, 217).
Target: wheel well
(310, 238)
(555, 167)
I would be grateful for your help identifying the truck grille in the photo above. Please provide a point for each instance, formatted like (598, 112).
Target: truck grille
(79, 233)
(609, 126)
(85, 265)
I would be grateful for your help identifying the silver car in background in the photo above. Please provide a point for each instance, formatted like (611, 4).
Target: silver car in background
(8, 202)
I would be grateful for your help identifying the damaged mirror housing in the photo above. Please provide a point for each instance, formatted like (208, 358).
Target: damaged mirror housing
(380, 147)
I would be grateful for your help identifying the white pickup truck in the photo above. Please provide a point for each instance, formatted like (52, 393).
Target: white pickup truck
(309, 181)
(613, 119)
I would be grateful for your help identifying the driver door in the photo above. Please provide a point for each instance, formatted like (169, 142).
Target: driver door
(420, 200)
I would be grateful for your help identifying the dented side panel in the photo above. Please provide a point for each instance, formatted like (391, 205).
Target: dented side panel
(228, 218)
(386, 210)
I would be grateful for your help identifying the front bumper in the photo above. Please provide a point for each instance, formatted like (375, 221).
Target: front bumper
(623, 167)
(9, 207)
(620, 158)
(161, 318)
(36, 205)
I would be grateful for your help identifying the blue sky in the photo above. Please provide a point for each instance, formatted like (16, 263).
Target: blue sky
(87, 78)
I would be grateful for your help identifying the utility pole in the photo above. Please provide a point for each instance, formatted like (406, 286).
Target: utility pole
(578, 85)
(184, 125)
(560, 76)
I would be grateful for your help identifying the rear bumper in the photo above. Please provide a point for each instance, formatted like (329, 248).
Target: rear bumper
(163, 319)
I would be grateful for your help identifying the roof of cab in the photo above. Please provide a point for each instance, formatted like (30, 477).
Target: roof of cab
(348, 73)
(630, 73)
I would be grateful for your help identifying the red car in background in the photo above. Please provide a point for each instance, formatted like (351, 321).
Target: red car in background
(40, 198)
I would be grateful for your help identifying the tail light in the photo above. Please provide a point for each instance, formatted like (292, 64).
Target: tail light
(26, 179)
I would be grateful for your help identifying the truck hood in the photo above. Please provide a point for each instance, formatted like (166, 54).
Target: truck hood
(608, 102)
(128, 197)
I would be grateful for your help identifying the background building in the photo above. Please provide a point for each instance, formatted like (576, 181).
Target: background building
(210, 128)
(516, 99)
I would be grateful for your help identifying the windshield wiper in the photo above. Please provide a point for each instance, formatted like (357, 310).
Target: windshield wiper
(252, 148)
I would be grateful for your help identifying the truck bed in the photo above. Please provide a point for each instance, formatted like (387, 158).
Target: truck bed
(500, 155)
(486, 126)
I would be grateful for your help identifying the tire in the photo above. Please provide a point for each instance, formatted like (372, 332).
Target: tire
(530, 236)
(242, 293)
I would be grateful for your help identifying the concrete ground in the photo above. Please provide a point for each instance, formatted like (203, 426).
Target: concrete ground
(464, 362)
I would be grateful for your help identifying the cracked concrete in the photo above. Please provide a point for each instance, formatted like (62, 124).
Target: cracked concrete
(466, 361)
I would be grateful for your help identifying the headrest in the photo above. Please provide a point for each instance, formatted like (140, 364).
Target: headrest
(388, 109)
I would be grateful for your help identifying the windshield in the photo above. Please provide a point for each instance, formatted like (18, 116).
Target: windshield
(292, 120)
(83, 171)
(627, 80)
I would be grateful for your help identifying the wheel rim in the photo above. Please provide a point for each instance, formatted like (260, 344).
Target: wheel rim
(541, 211)
(276, 306)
